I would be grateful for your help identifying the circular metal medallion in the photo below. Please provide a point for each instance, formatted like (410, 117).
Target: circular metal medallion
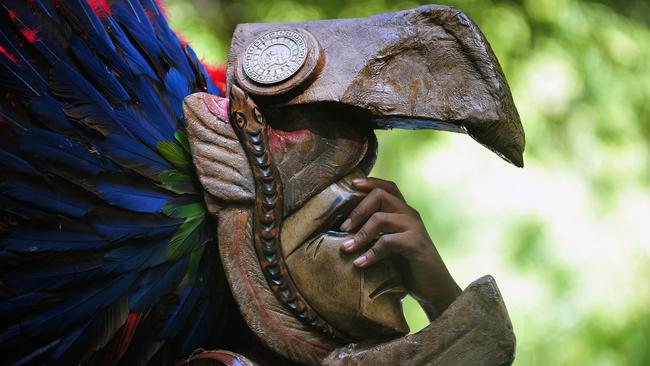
(275, 56)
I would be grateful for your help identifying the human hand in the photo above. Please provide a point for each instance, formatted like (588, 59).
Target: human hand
(390, 228)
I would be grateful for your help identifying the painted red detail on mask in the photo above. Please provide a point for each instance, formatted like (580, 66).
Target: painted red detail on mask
(100, 7)
(218, 106)
(30, 34)
(279, 139)
(8, 55)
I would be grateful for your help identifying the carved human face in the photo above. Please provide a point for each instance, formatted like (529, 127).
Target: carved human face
(362, 304)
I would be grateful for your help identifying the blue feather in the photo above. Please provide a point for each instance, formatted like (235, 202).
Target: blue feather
(131, 196)
(82, 18)
(95, 334)
(9, 333)
(11, 162)
(212, 89)
(17, 74)
(48, 10)
(137, 65)
(153, 106)
(131, 16)
(136, 256)
(155, 283)
(187, 303)
(54, 278)
(102, 77)
(19, 209)
(118, 225)
(49, 112)
(196, 334)
(49, 196)
(66, 154)
(53, 234)
(167, 39)
(139, 125)
(41, 36)
(36, 353)
(85, 104)
(8, 37)
(56, 321)
(177, 89)
(15, 307)
(90, 101)
(133, 155)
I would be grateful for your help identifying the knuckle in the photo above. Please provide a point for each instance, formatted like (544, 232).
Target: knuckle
(377, 218)
(382, 242)
(361, 235)
(355, 213)
(378, 192)
(388, 246)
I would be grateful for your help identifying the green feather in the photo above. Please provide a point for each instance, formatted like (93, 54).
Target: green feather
(178, 182)
(181, 137)
(175, 155)
(183, 211)
(187, 238)
(195, 260)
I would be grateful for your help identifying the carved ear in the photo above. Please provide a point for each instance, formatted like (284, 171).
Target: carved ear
(219, 159)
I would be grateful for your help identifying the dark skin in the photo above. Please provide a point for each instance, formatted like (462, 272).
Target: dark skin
(389, 228)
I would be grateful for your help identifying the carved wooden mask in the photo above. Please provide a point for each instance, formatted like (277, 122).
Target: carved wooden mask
(277, 162)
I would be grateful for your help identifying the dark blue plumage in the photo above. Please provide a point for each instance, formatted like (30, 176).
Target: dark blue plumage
(118, 225)
(126, 192)
(46, 194)
(154, 283)
(102, 221)
(134, 155)
(75, 311)
(138, 255)
(52, 234)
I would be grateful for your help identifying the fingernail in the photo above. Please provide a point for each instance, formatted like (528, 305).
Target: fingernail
(360, 261)
(358, 181)
(346, 224)
(348, 244)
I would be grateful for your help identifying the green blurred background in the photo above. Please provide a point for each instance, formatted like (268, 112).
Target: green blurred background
(568, 236)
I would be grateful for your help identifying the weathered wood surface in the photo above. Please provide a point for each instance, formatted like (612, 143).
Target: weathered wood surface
(474, 330)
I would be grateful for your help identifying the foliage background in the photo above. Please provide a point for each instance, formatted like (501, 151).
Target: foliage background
(567, 237)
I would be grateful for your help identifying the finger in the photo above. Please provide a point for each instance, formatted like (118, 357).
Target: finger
(377, 225)
(377, 200)
(368, 184)
(385, 246)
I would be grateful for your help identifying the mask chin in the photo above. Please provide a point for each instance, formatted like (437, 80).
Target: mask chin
(362, 304)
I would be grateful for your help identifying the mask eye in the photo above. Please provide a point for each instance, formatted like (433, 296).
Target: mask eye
(335, 227)
(240, 119)
(258, 116)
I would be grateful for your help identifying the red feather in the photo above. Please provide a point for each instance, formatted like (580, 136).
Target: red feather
(31, 34)
(100, 7)
(115, 349)
(8, 55)
(217, 74)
